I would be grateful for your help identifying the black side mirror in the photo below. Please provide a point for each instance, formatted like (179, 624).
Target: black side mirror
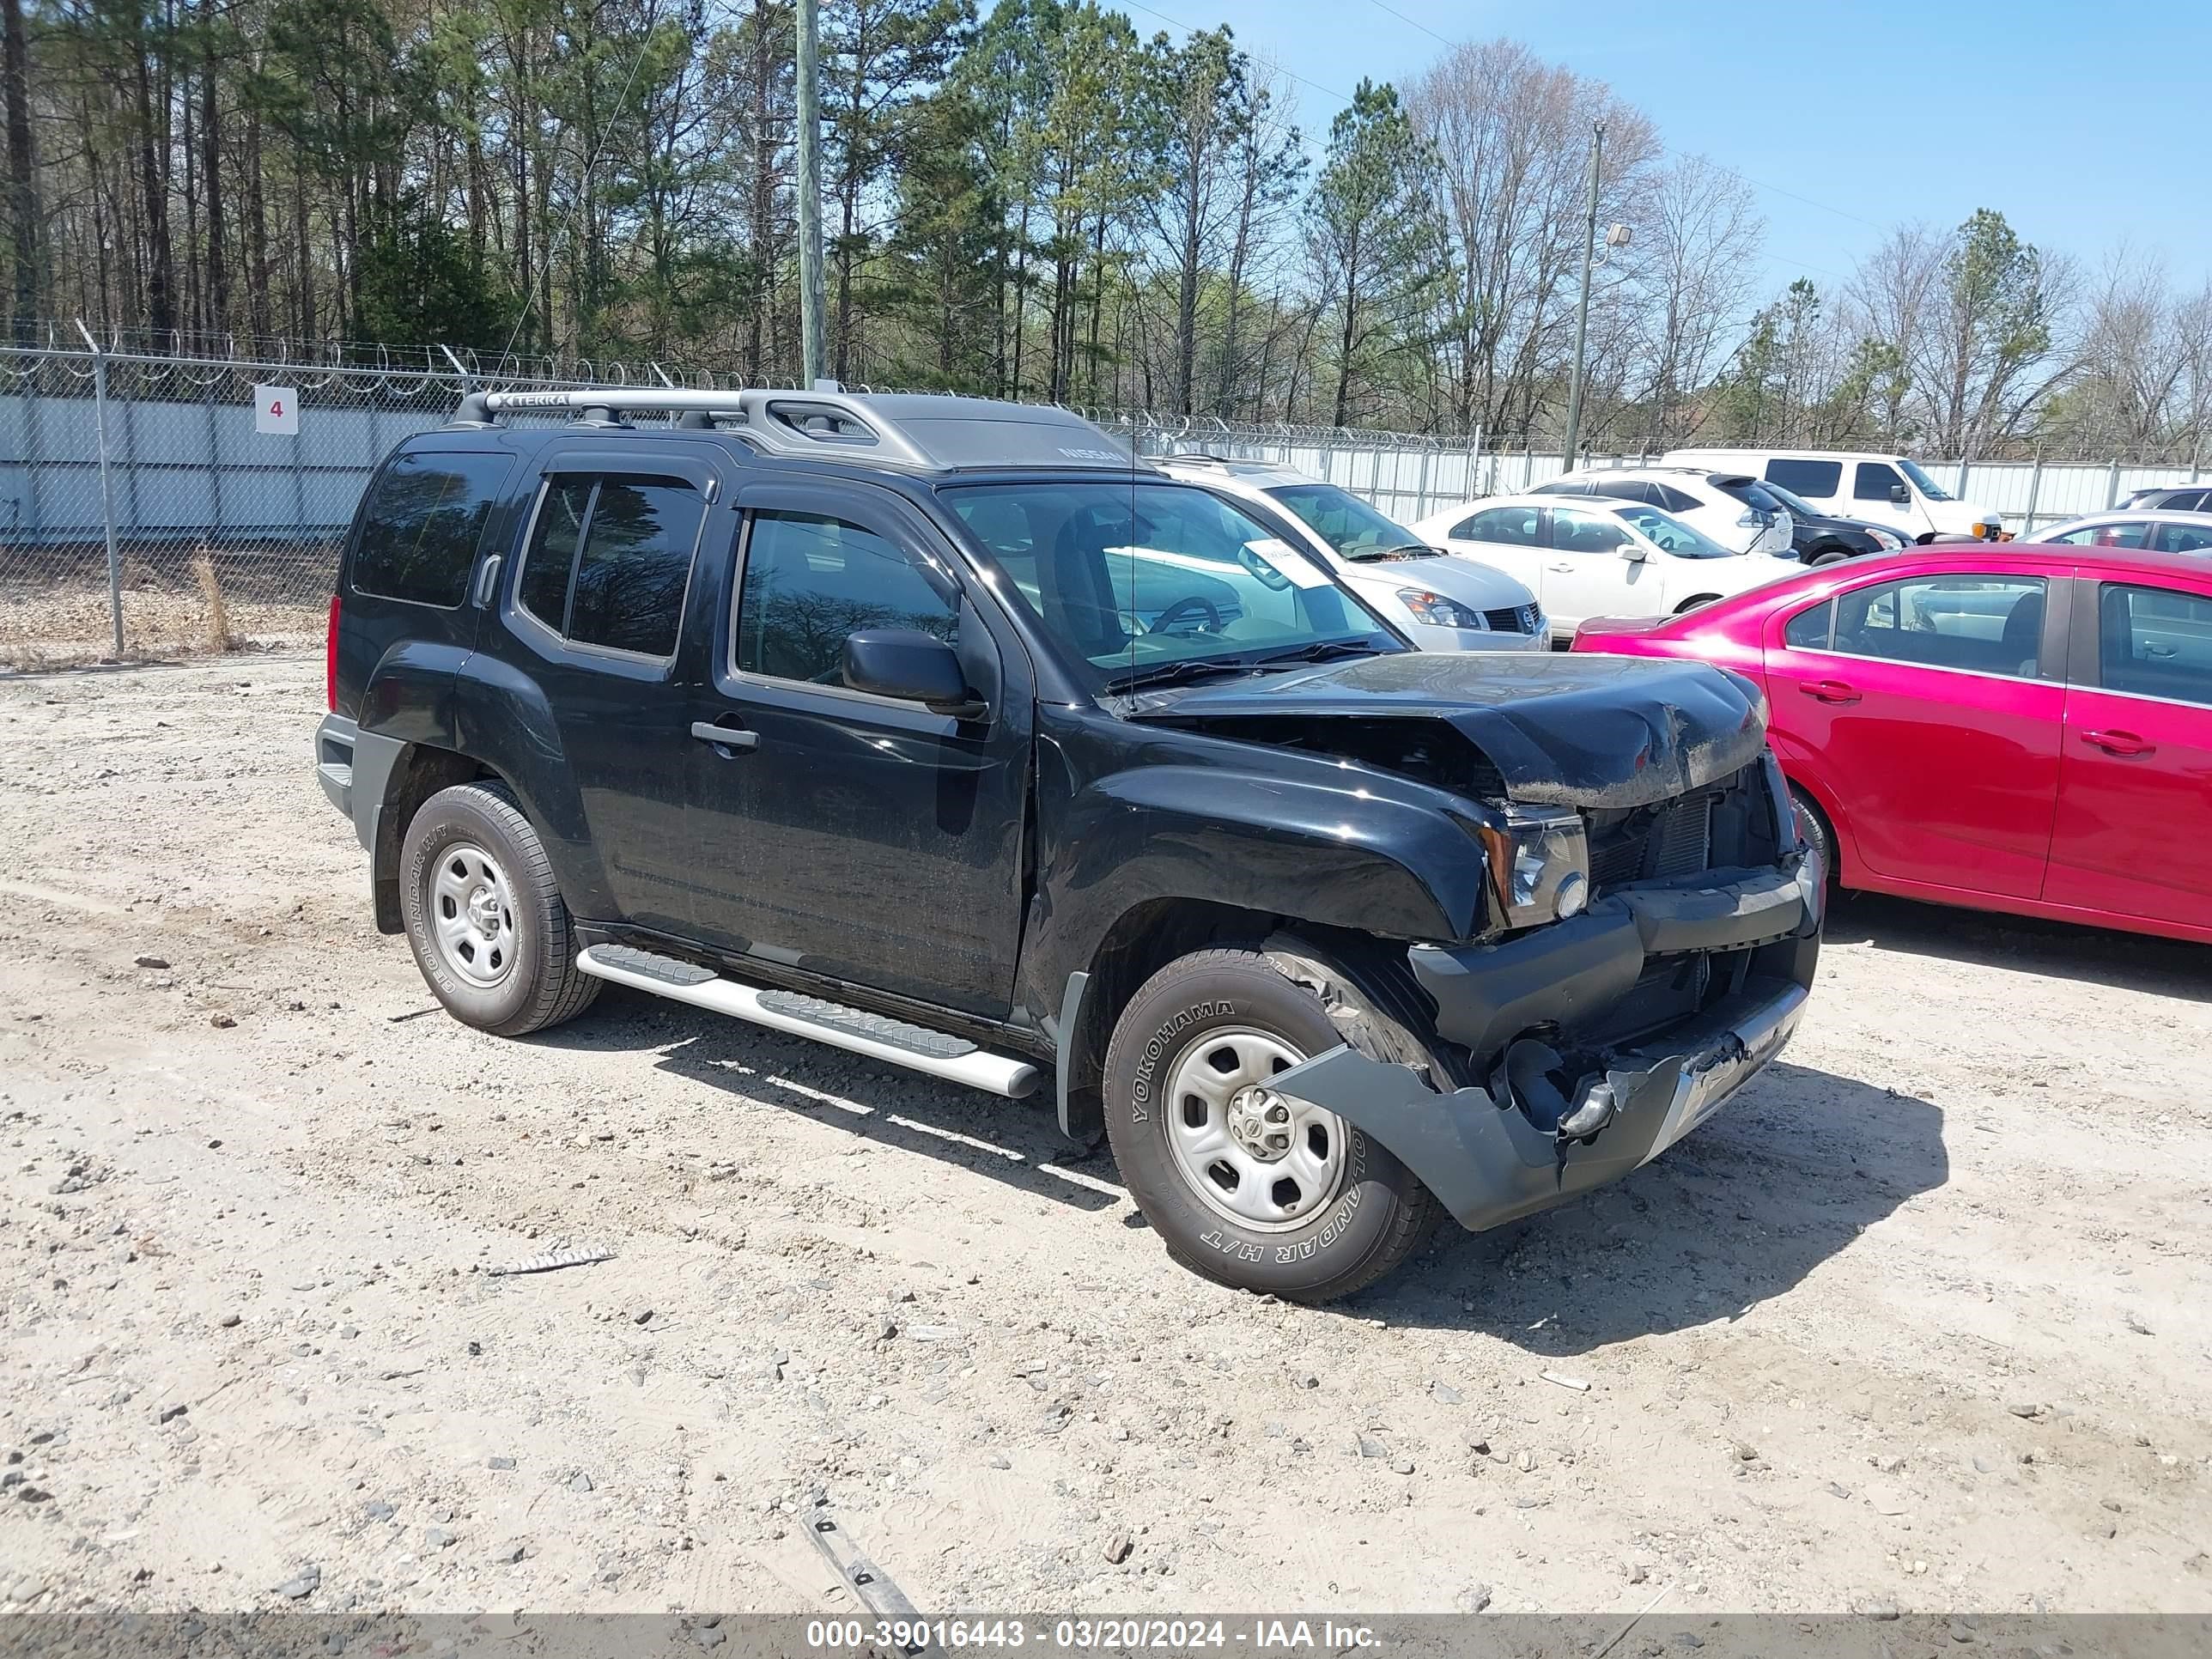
(1900, 496)
(912, 665)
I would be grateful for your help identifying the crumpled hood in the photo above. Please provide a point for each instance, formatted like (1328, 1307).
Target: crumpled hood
(1578, 729)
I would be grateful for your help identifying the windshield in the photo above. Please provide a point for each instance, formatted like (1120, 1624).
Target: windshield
(1134, 579)
(1670, 535)
(1344, 521)
(1796, 504)
(1928, 486)
(1763, 496)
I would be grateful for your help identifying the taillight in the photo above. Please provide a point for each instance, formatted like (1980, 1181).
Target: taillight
(331, 658)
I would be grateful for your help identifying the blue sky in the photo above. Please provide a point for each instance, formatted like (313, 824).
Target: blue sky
(2088, 126)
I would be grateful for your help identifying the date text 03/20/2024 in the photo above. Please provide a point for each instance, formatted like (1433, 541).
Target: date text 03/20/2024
(1257, 1635)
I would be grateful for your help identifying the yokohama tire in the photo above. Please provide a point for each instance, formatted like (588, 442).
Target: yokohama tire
(1812, 829)
(1377, 1213)
(472, 840)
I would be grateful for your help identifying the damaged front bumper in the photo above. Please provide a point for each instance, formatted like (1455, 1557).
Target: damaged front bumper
(1581, 1087)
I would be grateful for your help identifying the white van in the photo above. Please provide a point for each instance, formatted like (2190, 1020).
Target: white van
(1884, 489)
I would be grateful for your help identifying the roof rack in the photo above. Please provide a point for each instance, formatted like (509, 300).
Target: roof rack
(933, 431)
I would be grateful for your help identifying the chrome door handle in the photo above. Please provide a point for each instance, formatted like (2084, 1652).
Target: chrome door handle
(724, 737)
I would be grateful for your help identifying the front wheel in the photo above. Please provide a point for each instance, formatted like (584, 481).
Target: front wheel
(1246, 1186)
(484, 916)
(1693, 602)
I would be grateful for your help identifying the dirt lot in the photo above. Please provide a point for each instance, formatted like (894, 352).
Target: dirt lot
(1923, 1319)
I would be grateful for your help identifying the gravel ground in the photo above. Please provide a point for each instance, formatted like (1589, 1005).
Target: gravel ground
(1921, 1320)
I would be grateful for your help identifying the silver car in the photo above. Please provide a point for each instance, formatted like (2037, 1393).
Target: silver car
(2160, 531)
(1440, 601)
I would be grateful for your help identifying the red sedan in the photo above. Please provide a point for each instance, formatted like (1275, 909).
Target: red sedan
(2007, 727)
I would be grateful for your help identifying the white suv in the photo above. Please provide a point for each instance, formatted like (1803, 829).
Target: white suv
(1885, 489)
(1438, 602)
(1701, 499)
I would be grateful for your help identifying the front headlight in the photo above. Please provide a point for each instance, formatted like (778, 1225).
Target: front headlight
(1887, 541)
(1439, 612)
(1539, 863)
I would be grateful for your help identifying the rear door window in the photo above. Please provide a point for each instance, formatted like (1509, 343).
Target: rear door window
(1673, 500)
(2155, 642)
(609, 559)
(421, 525)
(1818, 480)
(2183, 537)
(1990, 624)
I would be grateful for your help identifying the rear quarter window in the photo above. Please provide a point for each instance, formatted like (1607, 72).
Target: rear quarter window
(1808, 629)
(421, 524)
(1814, 480)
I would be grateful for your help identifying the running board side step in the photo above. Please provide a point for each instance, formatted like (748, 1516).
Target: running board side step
(894, 1041)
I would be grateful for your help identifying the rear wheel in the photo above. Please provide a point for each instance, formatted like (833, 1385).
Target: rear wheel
(484, 916)
(1814, 830)
(1244, 1185)
(1693, 602)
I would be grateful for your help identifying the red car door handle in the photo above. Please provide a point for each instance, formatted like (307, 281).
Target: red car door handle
(1830, 691)
(2119, 743)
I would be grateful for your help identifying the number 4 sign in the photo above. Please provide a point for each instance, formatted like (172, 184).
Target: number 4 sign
(277, 411)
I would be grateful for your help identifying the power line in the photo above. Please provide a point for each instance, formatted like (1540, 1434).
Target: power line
(1669, 150)
(591, 165)
(1794, 264)
(1188, 28)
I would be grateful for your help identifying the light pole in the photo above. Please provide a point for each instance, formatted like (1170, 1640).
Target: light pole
(810, 198)
(1582, 311)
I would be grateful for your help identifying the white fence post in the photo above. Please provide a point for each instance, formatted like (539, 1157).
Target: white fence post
(106, 483)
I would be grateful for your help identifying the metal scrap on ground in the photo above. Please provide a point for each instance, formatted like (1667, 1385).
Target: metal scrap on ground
(553, 1259)
(858, 1574)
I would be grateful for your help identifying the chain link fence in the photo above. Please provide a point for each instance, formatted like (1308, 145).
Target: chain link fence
(1411, 475)
(156, 505)
(159, 503)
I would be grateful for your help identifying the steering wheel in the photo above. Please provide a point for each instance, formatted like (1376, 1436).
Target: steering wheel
(1190, 602)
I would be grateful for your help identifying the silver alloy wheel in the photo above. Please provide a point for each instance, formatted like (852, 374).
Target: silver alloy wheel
(472, 916)
(1258, 1158)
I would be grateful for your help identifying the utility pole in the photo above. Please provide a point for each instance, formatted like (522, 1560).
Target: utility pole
(1582, 312)
(810, 196)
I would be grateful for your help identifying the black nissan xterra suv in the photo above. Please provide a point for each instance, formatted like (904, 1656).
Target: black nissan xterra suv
(941, 731)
